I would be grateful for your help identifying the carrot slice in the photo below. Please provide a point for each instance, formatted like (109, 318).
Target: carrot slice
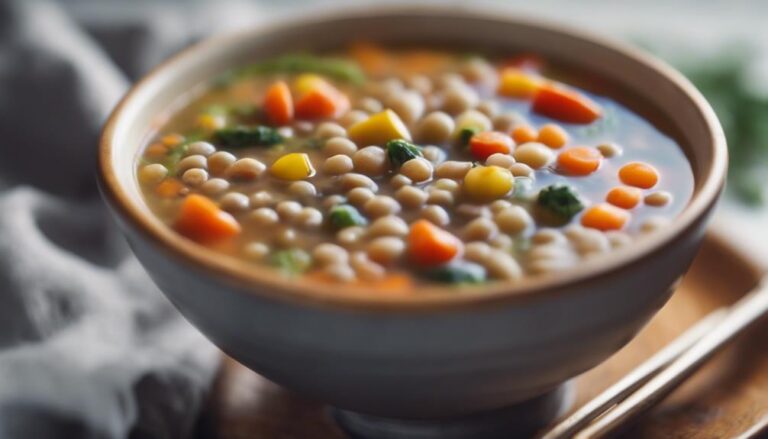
(581, 160)
(552, 135)
(483, 145)
(604, 217)
(321, 103)
(156, 150)
(431, 245)
(278, 103)
(639, 174)
(625, 197)
(524, 133)
(372, 58)
(202, 221)
(565, 105)
(169, 188)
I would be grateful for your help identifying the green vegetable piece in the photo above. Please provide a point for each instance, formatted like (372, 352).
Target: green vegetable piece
(465, 135)
(560, 200)
(458, 273)
(241, 136)
(291, 262)
(400, 151)
(344, 215)
(335, 68)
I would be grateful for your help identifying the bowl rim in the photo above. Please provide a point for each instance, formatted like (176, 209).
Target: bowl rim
(265, 283)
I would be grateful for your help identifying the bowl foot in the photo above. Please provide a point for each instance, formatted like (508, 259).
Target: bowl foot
(520, 420)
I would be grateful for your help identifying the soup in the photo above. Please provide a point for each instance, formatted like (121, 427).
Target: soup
(388, 168)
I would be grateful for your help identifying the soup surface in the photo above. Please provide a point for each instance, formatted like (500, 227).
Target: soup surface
(387, 168)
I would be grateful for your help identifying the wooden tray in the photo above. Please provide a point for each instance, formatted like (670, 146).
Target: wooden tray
(722, 400)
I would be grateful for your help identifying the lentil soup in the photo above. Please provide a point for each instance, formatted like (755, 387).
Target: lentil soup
(386, 168)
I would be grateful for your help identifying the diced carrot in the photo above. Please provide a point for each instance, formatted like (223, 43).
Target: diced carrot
(565, 105)
(552, 135)
(484, 144)
(581, 160)
(524, 133)
(373, 59)
(639, 174)
(169, 188)
(431, 245)
(424, 62)
(321, 103)
(625, 197)
(200, 219)
(172, 140)
(156, 150)
(278, 103)
(605, 217)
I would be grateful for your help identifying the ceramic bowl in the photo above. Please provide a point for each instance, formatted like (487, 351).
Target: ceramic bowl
(440, 354)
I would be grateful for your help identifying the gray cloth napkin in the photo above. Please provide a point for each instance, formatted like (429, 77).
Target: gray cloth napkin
(89, 347)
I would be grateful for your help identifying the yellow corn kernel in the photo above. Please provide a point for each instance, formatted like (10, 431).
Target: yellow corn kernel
(515, 83)
(486, 183)
(293, 166)
(211, 122)
(171, 140)
(307, 82)
(471, 120)
(378, 129)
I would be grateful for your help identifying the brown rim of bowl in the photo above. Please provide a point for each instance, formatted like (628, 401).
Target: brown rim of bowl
(264, 281)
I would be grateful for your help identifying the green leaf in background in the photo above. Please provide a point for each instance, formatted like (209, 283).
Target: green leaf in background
(741, 108)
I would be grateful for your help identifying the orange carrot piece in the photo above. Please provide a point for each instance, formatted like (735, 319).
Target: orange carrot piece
(524, 133)
(552, 135)
(605, 217)
(201, 220)
(625, 197)
(373, 59)
(639, 175)
(565, 105)
(321, 103)
(278, 104)
(431, 245)
(169, 188)
(156, 150)
(581, 160)
(482, 145)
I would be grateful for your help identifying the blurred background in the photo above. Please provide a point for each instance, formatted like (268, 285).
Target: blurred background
(88, 346)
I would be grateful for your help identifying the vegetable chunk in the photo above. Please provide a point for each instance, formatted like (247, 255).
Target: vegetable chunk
(431, 245)
(565, 105)
(378, 129)
(201, 220)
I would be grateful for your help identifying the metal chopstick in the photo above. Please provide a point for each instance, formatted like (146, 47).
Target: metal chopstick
(744, 313)
(632, 381)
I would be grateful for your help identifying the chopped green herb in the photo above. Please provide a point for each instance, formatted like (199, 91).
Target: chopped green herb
(344, 215)
(241, 136)
(465, 135)
(336, 68)
(560, 200)
(291, 262)
(458, 273)
(399, 151)
(171, 160)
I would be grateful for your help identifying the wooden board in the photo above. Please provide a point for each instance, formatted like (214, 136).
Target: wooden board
(723, 400)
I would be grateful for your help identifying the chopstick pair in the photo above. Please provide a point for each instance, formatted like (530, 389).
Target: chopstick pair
(655, 378)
